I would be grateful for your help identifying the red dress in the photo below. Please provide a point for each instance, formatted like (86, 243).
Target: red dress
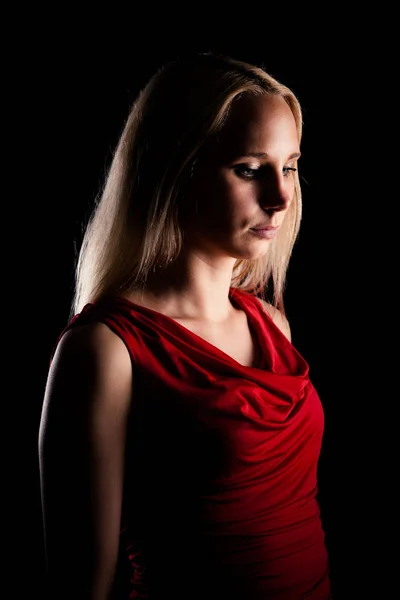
(221, 469)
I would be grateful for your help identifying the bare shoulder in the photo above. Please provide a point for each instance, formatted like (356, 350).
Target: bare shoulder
(82, 443)
(93, 341)
(91, 361)
(278, 318)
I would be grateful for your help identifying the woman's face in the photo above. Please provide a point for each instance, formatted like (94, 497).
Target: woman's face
(245, 182)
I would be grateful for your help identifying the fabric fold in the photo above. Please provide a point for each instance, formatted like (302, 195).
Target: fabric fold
(221, 474)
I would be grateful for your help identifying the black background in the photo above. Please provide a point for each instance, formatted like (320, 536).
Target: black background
(71, 89)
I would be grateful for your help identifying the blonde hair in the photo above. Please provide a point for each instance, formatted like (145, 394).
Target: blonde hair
(134, 226)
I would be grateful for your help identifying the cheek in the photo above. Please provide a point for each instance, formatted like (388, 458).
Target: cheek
(292, 192)
(219, 201)
(289, 193)
(213, 195)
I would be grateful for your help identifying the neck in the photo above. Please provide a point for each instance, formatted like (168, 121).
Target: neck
(192, 288)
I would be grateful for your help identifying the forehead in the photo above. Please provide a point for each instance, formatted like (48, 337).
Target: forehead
(259, 124)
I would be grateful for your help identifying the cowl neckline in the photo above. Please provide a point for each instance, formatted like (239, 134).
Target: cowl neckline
(283, 370)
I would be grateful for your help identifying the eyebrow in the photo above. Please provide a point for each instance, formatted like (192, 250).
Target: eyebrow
(264, 155)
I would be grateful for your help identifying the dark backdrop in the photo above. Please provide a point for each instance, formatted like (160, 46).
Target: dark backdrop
(73, 97)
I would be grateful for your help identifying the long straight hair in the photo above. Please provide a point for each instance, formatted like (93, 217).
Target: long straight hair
(134, 226)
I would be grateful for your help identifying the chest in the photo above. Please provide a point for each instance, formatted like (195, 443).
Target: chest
(235, 339)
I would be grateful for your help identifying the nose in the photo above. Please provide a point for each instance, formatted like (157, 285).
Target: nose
(276, 193)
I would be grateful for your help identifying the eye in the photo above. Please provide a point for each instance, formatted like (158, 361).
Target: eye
(286, 171)
(245, 171)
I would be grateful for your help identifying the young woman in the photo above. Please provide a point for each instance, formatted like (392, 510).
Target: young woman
(180, 431)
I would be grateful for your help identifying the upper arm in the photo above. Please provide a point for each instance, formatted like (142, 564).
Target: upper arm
(81, 458)
(278, 318)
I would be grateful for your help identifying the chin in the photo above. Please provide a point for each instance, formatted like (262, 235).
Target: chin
(251, 253)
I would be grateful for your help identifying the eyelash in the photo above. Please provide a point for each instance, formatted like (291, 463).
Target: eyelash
(249, 173)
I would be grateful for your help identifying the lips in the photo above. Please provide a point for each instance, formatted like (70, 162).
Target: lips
(265, 228)
(265, 232)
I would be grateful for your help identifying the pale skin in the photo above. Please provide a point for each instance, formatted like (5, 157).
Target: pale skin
(90, 384)
(246, 191)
